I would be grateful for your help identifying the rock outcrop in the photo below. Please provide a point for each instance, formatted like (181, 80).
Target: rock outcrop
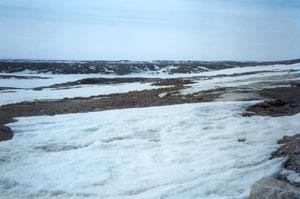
(5, 133)
(290, 148)
(268, 188)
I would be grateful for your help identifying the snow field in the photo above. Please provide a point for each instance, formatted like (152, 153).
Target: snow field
(172, 152)
(245, 80)
(71, 92)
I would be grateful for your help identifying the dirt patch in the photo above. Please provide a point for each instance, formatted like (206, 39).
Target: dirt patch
(109, 81)
(100, 81)
(7, 88)
(237, 96)
(172, 82)
(282, 102)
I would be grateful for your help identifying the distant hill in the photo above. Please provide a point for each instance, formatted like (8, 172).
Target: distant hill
(124, 67)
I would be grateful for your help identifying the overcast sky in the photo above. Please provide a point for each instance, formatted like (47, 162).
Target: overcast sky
(150, 29)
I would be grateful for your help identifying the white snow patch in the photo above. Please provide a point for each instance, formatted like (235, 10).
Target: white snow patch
(182, 151)
(162, 73)
(71, 92)
(231, 71)
(163, 94)
(52, 79)
(204, 68)
(292, 176)
(234, 81)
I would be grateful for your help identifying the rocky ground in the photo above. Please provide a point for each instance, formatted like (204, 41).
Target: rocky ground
(280, 102)
(6, 133)
(290, 148)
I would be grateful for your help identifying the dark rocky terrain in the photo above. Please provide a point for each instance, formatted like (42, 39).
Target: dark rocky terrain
(281, 102)
(101, 81)
(290, 148)
(5, 133)
(124, 67)
(21, 77)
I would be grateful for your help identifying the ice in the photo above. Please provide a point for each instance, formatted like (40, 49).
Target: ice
(15, 96)
(172, 152)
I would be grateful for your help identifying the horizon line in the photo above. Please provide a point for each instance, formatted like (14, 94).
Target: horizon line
(154, 60)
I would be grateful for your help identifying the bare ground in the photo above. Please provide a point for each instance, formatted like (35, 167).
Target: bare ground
(146, 98)
(280, 102)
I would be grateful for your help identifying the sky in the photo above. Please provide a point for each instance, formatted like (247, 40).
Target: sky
(244, 30)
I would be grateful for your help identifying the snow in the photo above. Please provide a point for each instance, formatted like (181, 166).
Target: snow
(163, 94)
(230, 71)
(15, 96)
(162, 73)
(204, 68)
(292, 176)
(172, 152)
(203, 84)
(52, 79)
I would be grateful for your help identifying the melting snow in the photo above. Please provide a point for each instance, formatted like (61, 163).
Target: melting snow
(221, 82)
(230, 71)
(182, 151)
(79, 91)
(52, 79)
(292, 176)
